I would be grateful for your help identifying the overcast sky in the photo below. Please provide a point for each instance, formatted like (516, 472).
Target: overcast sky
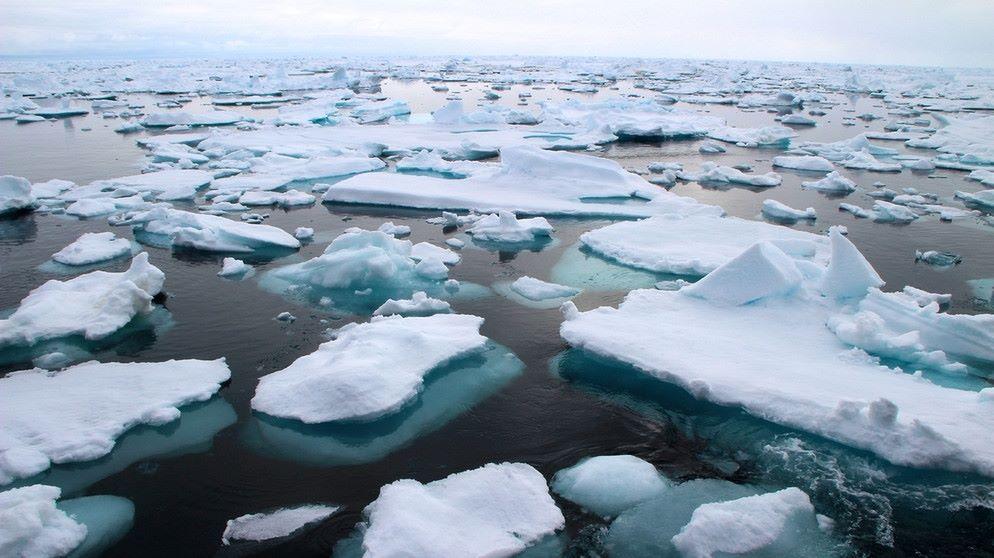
(918, 32)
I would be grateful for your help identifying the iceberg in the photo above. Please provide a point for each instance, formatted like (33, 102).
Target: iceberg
(695, 245)
(496, 510)
(275, 524)
(76, 414)
(610, 484)
(93, 305)
(369, 370)
(91, 248)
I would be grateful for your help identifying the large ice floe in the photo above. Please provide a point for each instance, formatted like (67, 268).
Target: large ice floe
(496, 510)
(752, 333)
(368, 370)
(93, 305)
(164, 226)
(76, 414)
(168, 185)
(527, 180)
(696, 245)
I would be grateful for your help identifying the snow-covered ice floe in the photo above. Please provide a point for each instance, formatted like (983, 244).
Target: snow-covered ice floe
(420, 304)
(210, 233)
(506, 228)
(496, 510)
(15, 195)
(93, 305)
(276, 524)
(527, 180)
(695, 245)
(753, 334)
(76, 414)
(91, 248)
(833, 182)
(33, 522)
(449, 391)
(368, 370)
(711, 172)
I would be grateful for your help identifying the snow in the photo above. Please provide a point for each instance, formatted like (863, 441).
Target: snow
(274, 524)
(743, 525)
(15, 194)
(535, 289)
(833, 182)
(31, 525)
(92, 248)
(209, 233)
(76, 414)
(695, 245)
(93, 305)
(778, 210)
(420, 304)
(610, 484)
(804, 163)
(748, 356)
(496, 510)
(231, 267)
(368, 370)
(713, 172)
(506, 227)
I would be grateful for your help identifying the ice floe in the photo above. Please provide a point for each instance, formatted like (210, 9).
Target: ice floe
(76, 414)
(368, 370)
(275, 524)
(93, 305)
(92, 248)
(610, 484)
(210, 233)
(15, 195)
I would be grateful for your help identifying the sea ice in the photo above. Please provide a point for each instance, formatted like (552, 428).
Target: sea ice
(833, 182)
(420, 304)
(209, 233)
(92, 248)
(32, 526)
(804, 163)
(368, 370)
(505, 227)
(275, 524)
(76, 414)
(93, 305)
(536, 289)
(496, 510)
(610, 484)
(778, 210)
(15, 194)
(232, 267)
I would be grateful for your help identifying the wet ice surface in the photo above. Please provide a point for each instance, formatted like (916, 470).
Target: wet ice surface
(527, 397)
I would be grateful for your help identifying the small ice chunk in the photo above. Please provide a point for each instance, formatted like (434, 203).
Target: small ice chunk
(15, 194)
(938, 259)
(455, 243)
(91, 248)
(833, 182)
(232, 267)
(425, 250)
(303, 233)
(506, 227)
(609, 484)
(420, 304)
(286, 317)
(394, 230)
(535, 289)
(778, 210)
(272, 525)
(804, 163)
